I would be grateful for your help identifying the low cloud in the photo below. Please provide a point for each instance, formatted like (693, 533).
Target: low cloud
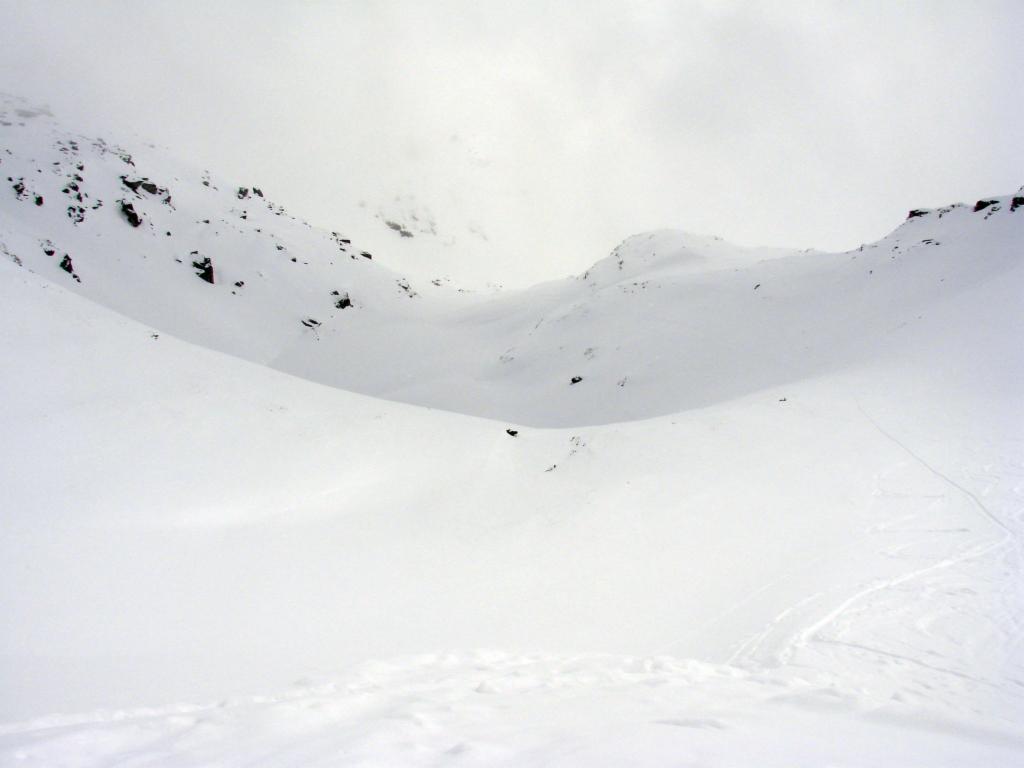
(560, 127)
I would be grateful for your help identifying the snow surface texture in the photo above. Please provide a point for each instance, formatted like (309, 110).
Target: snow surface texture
(775, 521)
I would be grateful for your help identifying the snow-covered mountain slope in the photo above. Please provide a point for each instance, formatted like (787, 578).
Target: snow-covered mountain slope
(777, 521)
(171, 246)
(668, 321)
(182, 525)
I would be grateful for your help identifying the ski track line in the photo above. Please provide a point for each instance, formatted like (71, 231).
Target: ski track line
(1012, 536)
(811, 634)
(746, 599)
(752, 645)
(919, 663)
(973, 497)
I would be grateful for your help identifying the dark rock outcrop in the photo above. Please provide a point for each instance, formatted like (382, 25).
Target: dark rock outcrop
(131, 214)
(398, 228)
(203, 267)
(68, 267)
(144, 184)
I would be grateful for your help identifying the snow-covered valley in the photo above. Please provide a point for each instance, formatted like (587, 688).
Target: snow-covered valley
(267, 502)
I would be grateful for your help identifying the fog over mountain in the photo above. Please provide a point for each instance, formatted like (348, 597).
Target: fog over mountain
(555, 129)
(398, 385)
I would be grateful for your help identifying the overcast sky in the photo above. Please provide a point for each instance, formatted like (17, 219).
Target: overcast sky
(573, 124)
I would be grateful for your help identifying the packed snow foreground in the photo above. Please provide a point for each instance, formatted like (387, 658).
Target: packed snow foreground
(266, 502)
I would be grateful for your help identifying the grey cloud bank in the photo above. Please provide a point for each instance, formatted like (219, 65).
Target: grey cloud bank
(558, 128)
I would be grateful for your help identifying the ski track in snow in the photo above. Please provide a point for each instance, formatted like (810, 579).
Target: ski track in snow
(813, 643)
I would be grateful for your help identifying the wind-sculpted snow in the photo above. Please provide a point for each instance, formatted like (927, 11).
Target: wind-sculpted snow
(776, 520)
(490, 708)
